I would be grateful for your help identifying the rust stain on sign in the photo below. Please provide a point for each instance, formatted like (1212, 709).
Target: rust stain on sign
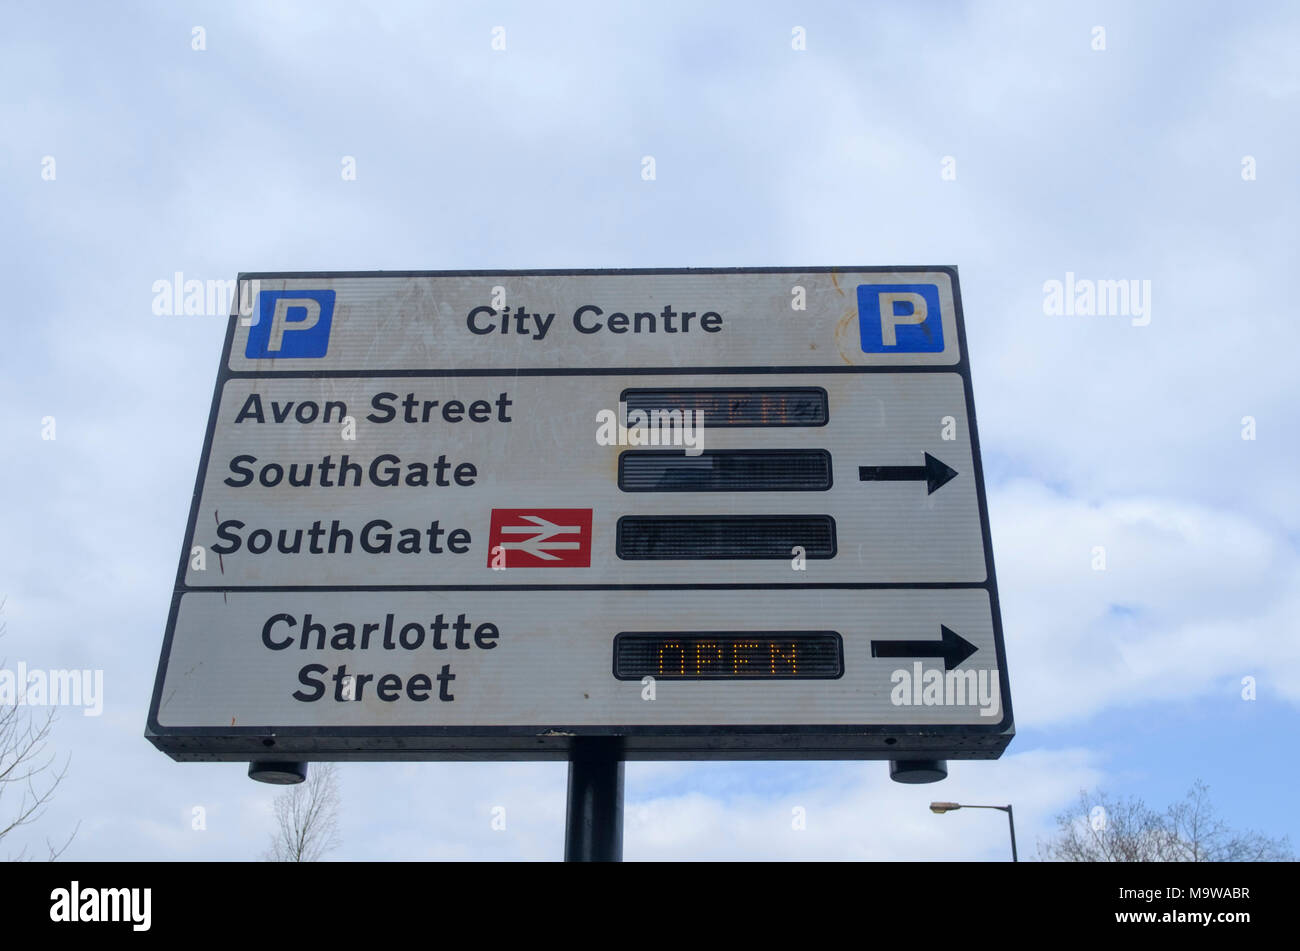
(846, 338)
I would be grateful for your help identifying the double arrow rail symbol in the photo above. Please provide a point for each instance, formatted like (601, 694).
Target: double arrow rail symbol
(934, 473)
(540, 545)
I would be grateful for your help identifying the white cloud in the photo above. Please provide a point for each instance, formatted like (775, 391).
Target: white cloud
(1191, 600)
(856, 813)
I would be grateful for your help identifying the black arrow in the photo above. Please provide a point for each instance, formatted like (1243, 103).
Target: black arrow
(934, 472)
(953, 648)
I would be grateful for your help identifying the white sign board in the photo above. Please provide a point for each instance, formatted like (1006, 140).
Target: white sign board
(732, 513)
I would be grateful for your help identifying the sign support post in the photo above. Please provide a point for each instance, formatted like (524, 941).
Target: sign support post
(593, 829)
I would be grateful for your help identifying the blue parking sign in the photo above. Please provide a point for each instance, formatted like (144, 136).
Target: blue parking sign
(291, 324)
(900, 318)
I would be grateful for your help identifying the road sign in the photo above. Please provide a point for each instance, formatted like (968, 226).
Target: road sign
(474, 515)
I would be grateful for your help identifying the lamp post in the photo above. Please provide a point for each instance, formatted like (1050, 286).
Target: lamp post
(939, 808)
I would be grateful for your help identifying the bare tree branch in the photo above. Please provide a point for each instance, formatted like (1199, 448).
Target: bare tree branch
(307, 818)
(1126, 830)
(26, 769)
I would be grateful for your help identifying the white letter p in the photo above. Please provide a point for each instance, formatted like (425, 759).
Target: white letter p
(889, 319)
(280, 320)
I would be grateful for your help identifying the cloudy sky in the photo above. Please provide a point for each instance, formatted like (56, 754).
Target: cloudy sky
(1167, 156)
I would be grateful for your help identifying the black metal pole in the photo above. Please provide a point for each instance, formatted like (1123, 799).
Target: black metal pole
(1012, 821)
(593, 829)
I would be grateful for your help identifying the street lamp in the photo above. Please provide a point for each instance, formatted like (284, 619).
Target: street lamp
(939, 808)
